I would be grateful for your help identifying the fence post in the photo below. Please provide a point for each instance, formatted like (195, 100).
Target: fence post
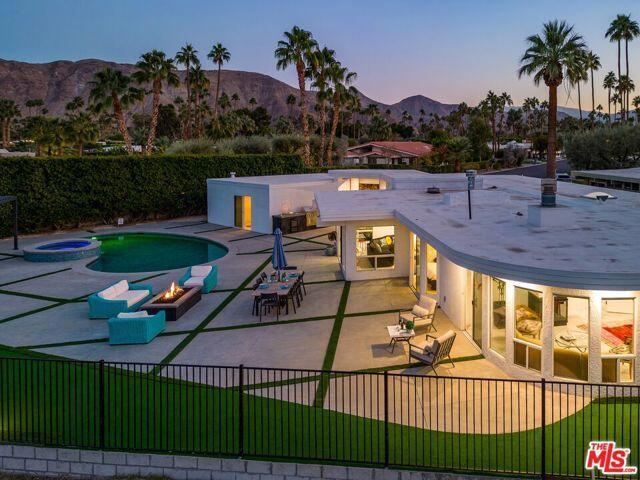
(543, 435)
(101, 406)
(241, 412)
(386, 419)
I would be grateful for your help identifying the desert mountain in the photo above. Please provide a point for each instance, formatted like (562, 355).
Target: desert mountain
(56, 83)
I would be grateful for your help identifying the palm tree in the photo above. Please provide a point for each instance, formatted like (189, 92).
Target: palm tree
(505, 101)
(291, 101)
(218, 55)
(636, 106)
(592, 63)
(623, 28)
(491, 104)
(111, 90)
(340, 79)
(625, 87)
(81, 129)
(459, 150)
(8, 111)
(200, 85)
(187, 56)
(297, 50)
(76, 104)
(546, 59)
(33, 103)
(253, 102)
(235, 99)
(609, 83)
(155, 68)
(320, 61)
(577, 73)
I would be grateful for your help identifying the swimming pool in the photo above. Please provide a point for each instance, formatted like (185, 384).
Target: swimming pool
(62, 250)
(150, 252)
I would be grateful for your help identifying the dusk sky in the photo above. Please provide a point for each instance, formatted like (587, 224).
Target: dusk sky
(451, 51)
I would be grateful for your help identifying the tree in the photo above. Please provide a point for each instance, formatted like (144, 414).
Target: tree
(8, 112)
(111, 90)
(577, 73)
(623, 28)
(320, 61)
(636, 106)
(609, 83)
(291, 101)
(235, 99)
(625, 87)
(155, 68)
(458, 151)
(505, 101)
(491, 105)
(187, 56)
(74, 105)
(340, 79)
(33, 103)
(81, 129)
(200, 85)
(546, 59)
(218, 55)
(592, 63)
(253, 102)
(224, 102)
(297, 50)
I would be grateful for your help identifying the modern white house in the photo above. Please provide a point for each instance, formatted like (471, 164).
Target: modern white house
(542, 292)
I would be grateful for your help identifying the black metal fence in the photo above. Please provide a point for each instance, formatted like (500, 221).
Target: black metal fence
(528, 428)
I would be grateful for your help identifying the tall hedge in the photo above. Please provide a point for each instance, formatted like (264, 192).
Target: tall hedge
(56, 193)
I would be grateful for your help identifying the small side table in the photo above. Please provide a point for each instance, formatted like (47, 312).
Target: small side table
(399, 334)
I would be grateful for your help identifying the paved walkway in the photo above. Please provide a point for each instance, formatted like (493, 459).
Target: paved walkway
(340, 326)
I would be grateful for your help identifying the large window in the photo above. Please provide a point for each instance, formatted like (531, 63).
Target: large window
(432, 269)
(375, 248)
(527, 348)
(498, 316)
(571, 337)
(617, 340)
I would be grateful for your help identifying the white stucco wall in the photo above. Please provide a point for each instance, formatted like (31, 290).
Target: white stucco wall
(452, 291)
(402, 251)
(220, 204)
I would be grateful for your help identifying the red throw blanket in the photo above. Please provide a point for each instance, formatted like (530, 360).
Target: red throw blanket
(623, 332)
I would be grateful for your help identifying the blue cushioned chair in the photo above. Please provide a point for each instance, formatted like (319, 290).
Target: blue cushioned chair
(135, 330)
(119, 297)
(203, 276)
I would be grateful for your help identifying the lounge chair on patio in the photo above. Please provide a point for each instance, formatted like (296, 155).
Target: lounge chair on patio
(203, 276)
(135, 327)
(435, 351)
(422, 314)
(120, 297)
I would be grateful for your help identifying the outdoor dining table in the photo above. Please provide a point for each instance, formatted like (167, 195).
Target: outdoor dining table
(281, 288)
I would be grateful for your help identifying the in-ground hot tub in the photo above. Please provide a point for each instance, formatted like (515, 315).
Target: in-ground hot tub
(62, 251)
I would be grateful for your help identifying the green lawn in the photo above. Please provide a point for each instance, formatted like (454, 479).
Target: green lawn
(57, 403)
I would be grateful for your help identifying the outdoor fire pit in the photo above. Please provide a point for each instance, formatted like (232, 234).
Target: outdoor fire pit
(174, 301)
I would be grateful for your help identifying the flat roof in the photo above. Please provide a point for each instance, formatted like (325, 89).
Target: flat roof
(621, 174)
(285, 180)
(597, 248)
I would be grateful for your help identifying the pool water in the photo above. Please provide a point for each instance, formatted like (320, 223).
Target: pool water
(150, 252)
(65, 245)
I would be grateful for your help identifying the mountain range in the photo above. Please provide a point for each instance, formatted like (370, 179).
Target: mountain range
(56, 83)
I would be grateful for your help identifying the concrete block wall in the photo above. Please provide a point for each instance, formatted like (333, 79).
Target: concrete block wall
(18, 459)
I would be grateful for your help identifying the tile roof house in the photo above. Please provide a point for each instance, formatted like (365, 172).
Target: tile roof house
(386, 153)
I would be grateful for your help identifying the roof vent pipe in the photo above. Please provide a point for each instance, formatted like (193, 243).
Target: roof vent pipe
(433, 190)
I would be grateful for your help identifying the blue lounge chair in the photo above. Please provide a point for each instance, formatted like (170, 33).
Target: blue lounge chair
(203, 276)
(135, 327)
(120, 297)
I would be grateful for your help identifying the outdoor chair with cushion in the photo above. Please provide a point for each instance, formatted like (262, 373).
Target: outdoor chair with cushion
(422, 314)
(436, 350)
(203, 276)
(135, 327)
(120, 297)
(290, 267)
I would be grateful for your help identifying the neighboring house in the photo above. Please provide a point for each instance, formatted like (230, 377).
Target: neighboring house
(386, 153)
(542, 292)
(620, 179)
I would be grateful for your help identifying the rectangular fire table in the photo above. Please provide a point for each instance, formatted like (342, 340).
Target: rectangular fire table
(174, 308)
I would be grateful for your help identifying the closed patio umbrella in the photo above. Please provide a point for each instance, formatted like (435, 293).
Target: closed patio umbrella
(278, 259)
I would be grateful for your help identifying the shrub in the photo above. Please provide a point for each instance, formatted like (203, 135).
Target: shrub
(604, 148)
(196, 146)
(287, 143)
(245, 145)
(67, 192)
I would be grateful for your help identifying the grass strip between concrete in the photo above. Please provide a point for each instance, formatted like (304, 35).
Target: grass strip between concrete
(332, 346)
(202, 325)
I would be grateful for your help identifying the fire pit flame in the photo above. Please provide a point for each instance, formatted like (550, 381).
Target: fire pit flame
(172, 292)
